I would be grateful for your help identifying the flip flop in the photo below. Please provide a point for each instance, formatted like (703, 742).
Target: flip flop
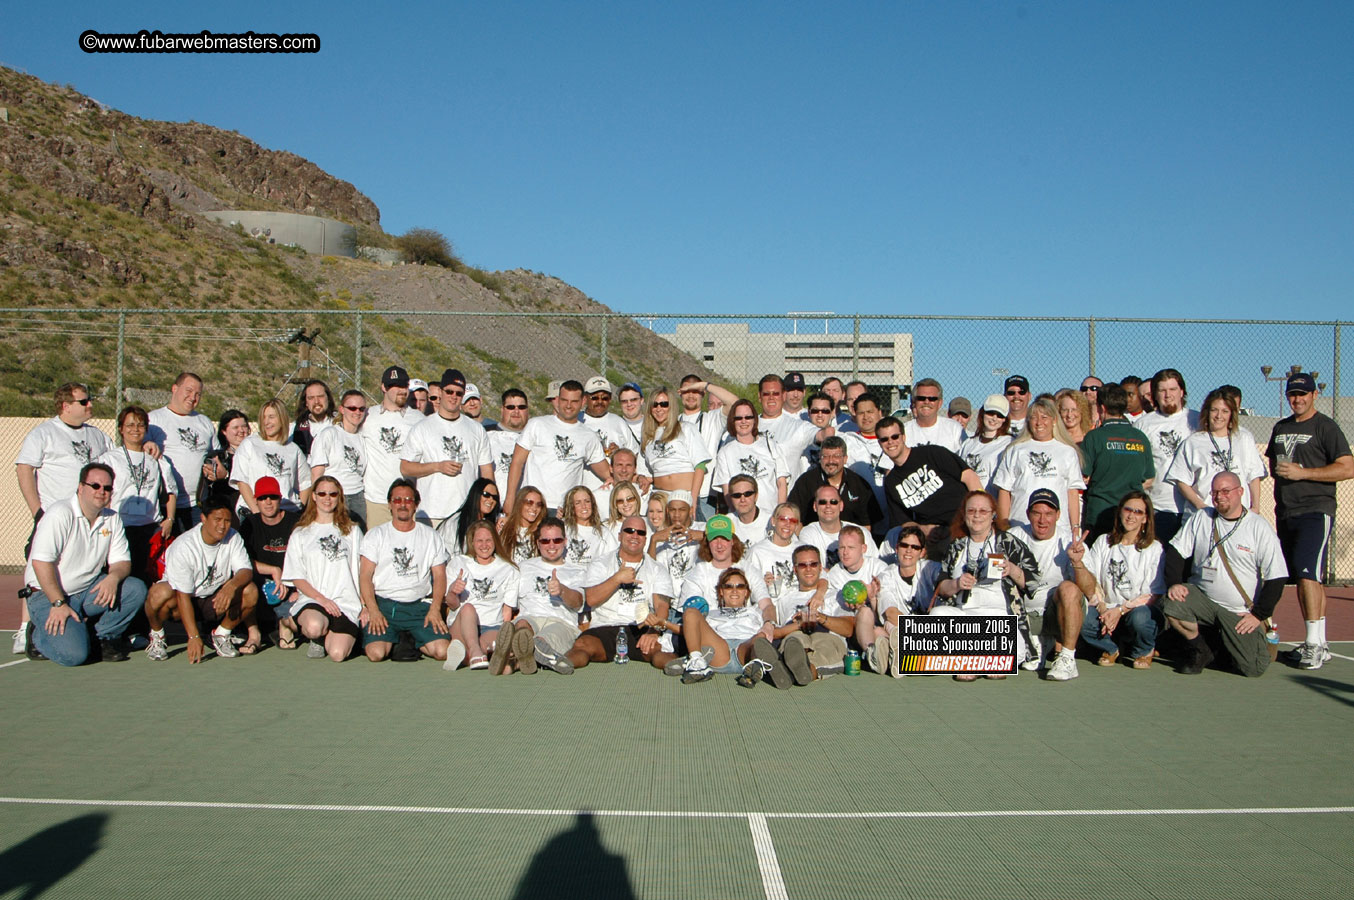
(249, 648)
(285, 643)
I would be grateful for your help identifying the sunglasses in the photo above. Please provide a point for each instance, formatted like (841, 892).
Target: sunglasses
(661, 404)
(736, 586)
(889, 438)
(515, 406)
(355, 408)
(827, 502)
(400, 500)
(93, 486)
(741, 494)
(916, 547)
(918, 398)
(1016, 392)
(787, 518)
(743, 418)
(322, 494)
(275, 497)
(821, 411)
(558, 540)
(488, 495)
(1090, 388)
(640, 531)
(808, 565)
(85, 401)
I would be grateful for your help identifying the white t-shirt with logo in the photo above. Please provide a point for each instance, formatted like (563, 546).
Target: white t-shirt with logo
(436, 439)
(256, 458)
(711, 426)
(405, 561)
(585, 543)
(1123, 572)
(982, 458)
(384, 432)
(1252, 550)
(187, 441)
(678, 556)
(611, 429)
(791, 433)
(560, 451)
(136, 485)
(651, 580)
(1166, 434)
(762, 459)
(533, 589)
(1029, 465)
(1204, 456)
(59, 452)
(837, 577)
(684, 453)
(770, 558)
(735, 623)
(867, 459)
(753, 532)
(329, 560)
(1054, 565)
(488, 587)
(906, 595)
(814, 534)
(344, 456)
(501, 446)
(199, 570)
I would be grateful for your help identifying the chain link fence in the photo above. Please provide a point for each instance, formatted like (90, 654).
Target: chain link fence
(246, 357)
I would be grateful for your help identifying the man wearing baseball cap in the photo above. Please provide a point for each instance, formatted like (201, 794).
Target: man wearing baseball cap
(1308, 454)
(792, 401)
(384, 432)
(961, 410)
(1045, 594)
(1017, 391)
(554, 449)
(611, 429)
(446, 452)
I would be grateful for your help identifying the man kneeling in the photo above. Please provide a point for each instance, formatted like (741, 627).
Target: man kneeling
(208, 580)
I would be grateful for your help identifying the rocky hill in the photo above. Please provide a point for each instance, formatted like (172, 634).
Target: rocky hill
(100, 211)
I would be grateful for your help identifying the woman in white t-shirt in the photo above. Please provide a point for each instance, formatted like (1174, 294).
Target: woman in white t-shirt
(746, 451)
(341, 451)
(585, 538)
(517, 530)
(1216, 447)
(137, 480)
(992, 435)
(1122, 577)
(676, 456)
(482, 599)
(1044, 456)
(271, 452)
(1075, 412)
(729, 626)
(322, 564)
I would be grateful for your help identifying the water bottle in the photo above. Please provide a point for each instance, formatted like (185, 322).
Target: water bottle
(1272, 635)
(622, 646)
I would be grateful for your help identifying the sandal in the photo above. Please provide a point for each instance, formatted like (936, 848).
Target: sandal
(288, 642)
(249, 648)
(478, 662)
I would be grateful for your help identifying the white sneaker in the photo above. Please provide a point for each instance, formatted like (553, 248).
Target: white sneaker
(1313, 656)
(224, 646)
(697, 669)
(455, 656)
(1036, 661)
(157, 649)
(1064, 668)
(20, 641)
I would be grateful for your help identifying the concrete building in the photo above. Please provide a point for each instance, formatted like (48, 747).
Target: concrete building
(314, 234)
(742, 356)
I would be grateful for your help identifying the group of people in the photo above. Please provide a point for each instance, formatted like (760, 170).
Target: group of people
(694, 530)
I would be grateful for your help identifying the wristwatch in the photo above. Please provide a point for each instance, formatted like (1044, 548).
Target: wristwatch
(58, 602)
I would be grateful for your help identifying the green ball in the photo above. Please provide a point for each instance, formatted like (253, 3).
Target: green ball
(853, 592)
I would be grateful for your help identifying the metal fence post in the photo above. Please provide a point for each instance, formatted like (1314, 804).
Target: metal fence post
(605, 321)
(1334, 414)
(122, 339)
(357, 351)
(1090, 331)
(855, 349)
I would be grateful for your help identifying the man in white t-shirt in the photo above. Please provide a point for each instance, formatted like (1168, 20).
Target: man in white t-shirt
(927, 425)
(208, 580)
(631, 398)
(631, 592)
(384, 433)
(825, 533)
(711, 424)
(790, 432)
(793, 389)
(503, 437)
(1017, 391)
(446, 452)
(611, 429)
(1053, 592)
(749, 522)
(53, 453)
(864, 456)
(402, 578)
(187, 438)
(553, 451)
(855, 564)
(65, 581)
(624, 467)
(1237, 576)
(1167, 429)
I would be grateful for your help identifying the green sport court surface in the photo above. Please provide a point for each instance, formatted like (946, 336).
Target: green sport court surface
(282, 776)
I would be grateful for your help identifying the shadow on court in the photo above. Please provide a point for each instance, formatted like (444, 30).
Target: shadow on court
(1335, 690)
(39, 862)
(576, 866)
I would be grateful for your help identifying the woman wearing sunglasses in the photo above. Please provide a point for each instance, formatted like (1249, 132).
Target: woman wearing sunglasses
(342, 453)
(322, 564)
(676, 456)
(482, 503)
(748, 451)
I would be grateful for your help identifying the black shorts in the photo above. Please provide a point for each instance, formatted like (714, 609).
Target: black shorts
(1305, 541)
(607, 635)
(339, 624)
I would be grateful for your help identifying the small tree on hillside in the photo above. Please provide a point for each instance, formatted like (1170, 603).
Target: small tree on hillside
(427, 247)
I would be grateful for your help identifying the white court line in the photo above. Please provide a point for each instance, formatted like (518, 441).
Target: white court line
(772, 882)
(15, 663)
(680, 814)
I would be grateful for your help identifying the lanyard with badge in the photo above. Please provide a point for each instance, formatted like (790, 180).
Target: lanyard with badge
(1225, 458)
(1209, 573)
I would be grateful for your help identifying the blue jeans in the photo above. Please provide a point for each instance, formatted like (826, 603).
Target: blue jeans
(71, 647)
(1138, 630)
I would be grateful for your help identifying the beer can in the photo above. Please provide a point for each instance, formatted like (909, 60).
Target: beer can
(852, 663)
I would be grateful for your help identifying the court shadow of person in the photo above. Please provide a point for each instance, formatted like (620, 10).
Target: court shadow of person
(1335, 690)
(575, 865)
(36, 864)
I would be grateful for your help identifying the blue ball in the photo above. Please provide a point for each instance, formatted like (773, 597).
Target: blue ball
(698, 604)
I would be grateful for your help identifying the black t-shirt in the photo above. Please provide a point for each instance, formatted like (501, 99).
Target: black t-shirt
(927, 488)
(1314, 443)
(268, 543)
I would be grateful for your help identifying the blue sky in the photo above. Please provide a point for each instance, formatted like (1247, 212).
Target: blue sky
(1060, 158)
